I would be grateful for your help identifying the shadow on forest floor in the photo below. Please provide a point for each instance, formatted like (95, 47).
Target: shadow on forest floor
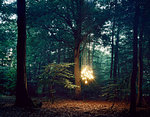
(69, 108)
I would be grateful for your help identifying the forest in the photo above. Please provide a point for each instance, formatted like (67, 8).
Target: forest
(75, 58)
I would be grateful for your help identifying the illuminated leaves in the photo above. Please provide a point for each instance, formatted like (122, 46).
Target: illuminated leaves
(58, 74)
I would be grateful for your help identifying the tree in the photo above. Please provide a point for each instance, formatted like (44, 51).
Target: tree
(142, 20)
(71, 23)
(22, 97)
(140, 68)
(116, 55)
(86, 23)
(112, 40)
(134, 68)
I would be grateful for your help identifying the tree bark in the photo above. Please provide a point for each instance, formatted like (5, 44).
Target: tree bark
(22, 97)
(116, 56)
(112, 42)
(77, 73)
(78, 40)
(2, 62)
(112, 49)
(140, 68)
(134, 69)
(93, 49)
(89, 54)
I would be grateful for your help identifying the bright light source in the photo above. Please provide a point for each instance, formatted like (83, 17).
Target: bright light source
(86, 82)
(87, 74)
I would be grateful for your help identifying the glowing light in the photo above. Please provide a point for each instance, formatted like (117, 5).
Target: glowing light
(86, 82)
(87, 74)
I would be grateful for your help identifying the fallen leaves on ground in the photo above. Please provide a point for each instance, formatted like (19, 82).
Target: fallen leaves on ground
(66, 108)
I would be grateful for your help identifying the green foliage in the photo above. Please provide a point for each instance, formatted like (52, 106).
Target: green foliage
(61, 74)
(55, 75)
(8, 38)
(8, 80)
(115, 91)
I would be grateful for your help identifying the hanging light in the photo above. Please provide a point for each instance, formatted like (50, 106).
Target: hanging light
(87, 74)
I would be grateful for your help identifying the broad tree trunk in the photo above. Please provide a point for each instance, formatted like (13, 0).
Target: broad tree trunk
(78, 40)
(22, 98)
(77, 73)
(134, 69)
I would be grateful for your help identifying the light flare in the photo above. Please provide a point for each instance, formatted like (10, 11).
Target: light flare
(87, 74)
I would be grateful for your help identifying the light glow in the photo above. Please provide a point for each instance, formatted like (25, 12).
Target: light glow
(86, 82)
(87, 74)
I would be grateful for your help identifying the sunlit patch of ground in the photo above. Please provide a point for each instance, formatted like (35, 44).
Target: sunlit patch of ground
(69, 108)
(89, 108)
(86, 105)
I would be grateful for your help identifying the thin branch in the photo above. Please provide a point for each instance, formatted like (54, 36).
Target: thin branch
(66, 19)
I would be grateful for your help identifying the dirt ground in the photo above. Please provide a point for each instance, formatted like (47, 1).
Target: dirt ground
(70, 108)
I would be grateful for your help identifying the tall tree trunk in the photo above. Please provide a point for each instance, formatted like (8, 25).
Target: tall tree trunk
(134, 69)
(22, 98)
(118, 75)
(112, 49)
(78, 39)
(140, 68)
(89, 54)
(116, 56)
(77, 72)
(2, 62)
(93, 50)
(112, 42)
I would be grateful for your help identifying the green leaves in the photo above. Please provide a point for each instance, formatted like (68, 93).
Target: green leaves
(114, 91)
(58, 74)
(7, 80)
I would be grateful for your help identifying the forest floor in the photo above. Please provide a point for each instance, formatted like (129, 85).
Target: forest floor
(70, 108)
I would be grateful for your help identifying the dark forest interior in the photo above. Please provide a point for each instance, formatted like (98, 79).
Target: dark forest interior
(72, 58)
